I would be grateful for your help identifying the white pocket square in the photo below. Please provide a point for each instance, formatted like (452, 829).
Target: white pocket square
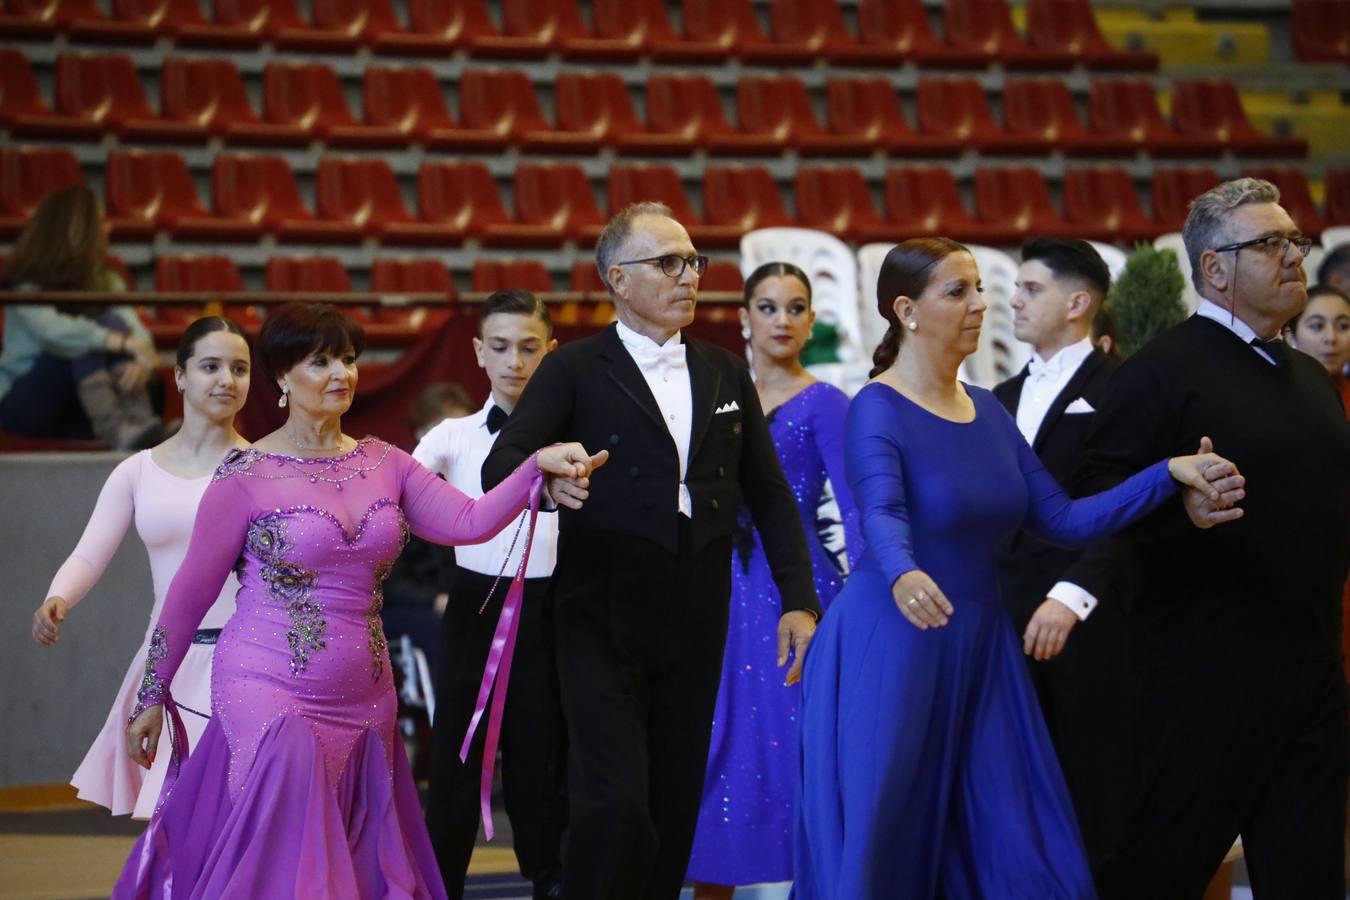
(733, 406)
(1078, 406)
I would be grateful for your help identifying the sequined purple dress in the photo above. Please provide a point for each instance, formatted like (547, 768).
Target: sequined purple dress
(747, 814)
(299, 787)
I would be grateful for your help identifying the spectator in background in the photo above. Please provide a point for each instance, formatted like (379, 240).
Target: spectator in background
(1322, 331)
(67, 368)
(1104, 331)
(417, 590)
(1334, 270)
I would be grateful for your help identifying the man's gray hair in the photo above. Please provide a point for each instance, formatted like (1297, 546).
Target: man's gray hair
(617, 232)
(1207, 222)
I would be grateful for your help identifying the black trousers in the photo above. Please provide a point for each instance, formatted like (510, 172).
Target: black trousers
(533, 737)
(640, 636)
(1226, 749)
(1088, 696)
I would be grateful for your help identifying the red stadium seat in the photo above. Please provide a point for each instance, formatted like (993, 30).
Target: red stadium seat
(322, 274)
(1211, 110)
(719, 29)
(1320, 30)
(592, 110)
(361, 193)
(1015, 204)
(29, 174)
(923, 201)
(585, 279)
(191, 274)
(777, 109)
(456, 200)
(1101, 204)
(867, 110)
(742, 198)
(101, 92)
(688, 105)
(264, 20)
(956, 109)
(1041, 109)
(986, 27)
(722, 275)
(19, 94)
(209, 94)
(259, 192)
(554, 202)
(1173, 191)
(355, 21)
(1127, 110)
(407, 276)
(818, 27)
(410, 100)
(40, 18)
(835, 199)
(630, 184)
(903, 27)
(147, 192)
(1338, 196)
(1069, 27)
(437, 28)
(85, 22)
(1295, 197)
(623, 29)
(308, 95)
(233, 23)
(166, 18)
(496, 275)
(532, 28)
(501, 103)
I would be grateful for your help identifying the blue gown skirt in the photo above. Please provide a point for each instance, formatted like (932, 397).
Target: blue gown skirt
(928, 769)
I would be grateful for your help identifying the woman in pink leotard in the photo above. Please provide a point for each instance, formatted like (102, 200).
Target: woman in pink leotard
(299, 785)
(159, 490)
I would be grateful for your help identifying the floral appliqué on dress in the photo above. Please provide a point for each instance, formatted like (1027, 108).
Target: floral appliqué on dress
(291, 584)
(152, 687)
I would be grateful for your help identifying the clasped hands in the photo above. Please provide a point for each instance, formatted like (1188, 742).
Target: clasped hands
(569, 468)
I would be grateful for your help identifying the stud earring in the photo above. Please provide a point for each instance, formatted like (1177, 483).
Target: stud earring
(284, 398)
(745, 332)
(912, 325)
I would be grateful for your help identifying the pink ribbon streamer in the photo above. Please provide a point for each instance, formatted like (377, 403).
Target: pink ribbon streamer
(499, 667)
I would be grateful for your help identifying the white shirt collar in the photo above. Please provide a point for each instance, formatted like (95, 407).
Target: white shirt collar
(1214, 312)
(634, 341)
(1066, 359)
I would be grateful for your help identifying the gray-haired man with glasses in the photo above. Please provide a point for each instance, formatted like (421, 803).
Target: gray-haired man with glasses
(643, 578)
(1240, 719)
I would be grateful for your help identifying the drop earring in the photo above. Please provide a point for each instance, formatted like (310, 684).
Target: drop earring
(284, 397)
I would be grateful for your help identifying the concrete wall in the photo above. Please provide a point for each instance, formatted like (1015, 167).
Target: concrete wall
(54, 700)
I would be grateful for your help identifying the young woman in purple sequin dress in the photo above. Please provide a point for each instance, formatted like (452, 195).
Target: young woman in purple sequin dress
(299, 785)
(747, 813)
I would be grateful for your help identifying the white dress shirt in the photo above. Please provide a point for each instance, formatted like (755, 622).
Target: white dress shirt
(456, 449)
(664, 368)
(1216, 313)
(1046, 379)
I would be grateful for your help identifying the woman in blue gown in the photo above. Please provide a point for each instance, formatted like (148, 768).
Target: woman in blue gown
(927, 770)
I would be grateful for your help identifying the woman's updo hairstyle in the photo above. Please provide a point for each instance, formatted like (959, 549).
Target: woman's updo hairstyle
(905, 272)
(774, 270)
(200, 328)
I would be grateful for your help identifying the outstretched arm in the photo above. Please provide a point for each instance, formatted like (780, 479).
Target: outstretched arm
(82, 569)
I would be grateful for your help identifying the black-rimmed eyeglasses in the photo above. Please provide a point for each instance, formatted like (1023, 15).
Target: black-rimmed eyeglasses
(1273, 245)
(672, 263)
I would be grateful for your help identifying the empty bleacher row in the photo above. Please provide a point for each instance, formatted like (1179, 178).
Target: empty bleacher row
(303, 103)
(359, 199)
(975, 33)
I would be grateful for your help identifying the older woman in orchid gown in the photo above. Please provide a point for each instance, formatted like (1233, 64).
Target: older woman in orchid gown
(300, 785)
(158, 490)
(927, 770)
(747, 814)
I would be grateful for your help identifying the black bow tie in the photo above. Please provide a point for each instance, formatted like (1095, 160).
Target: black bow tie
(496, 419)
(1275, 348)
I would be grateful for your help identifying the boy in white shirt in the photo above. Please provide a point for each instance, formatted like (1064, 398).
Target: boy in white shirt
(514, 334)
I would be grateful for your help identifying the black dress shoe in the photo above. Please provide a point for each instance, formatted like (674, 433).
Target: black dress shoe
(548, 890)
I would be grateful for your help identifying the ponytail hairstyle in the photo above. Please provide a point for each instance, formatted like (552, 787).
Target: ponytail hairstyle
(200, 328)
(774, 270)
(905, 272)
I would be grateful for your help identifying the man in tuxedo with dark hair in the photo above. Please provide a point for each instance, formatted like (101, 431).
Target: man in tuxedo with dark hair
(643, 577)
(1082, 683)
(1240, 725)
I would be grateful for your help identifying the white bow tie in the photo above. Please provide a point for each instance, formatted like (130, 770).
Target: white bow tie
(649, 355)
(1037, 367)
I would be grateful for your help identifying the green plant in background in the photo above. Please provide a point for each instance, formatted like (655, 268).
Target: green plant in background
(1147, 297)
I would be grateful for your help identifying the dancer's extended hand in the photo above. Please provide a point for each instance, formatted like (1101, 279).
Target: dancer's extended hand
(143, 735)
(1213, 486)
(795, 629)
(921, 600)
(47, 620)
(1048, 630)
(571, 467)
